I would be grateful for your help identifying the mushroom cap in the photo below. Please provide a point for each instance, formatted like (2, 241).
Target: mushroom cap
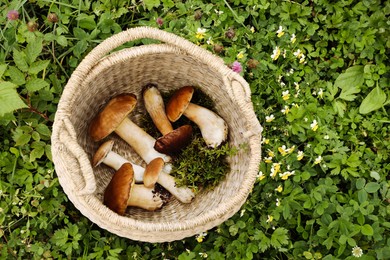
(152, 172)
(112, 115)
(102, 152)
(174, 141)
(178, 103)
(118, 190)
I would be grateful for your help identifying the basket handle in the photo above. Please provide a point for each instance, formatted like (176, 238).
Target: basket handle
(68, 138)
(143, 32)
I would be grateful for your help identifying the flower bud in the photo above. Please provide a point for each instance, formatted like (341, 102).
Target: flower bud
(53, 18)
(159, 21)
(230, 33)
(252, 63)
(218, 48)
(32, 26)
(198, 14)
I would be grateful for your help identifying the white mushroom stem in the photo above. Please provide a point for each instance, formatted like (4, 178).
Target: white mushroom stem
(154, 104)
(183, 194)
(115, 161)
(146, 198)
(213, 128)
(141, 141)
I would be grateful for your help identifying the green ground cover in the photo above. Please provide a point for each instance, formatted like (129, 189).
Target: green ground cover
(319, 75)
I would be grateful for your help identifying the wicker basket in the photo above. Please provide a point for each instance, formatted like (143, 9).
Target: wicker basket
(173, 63)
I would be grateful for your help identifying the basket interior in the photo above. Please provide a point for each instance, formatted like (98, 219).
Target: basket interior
(127, 71)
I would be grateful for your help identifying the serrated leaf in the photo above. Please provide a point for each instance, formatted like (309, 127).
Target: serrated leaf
(36, 84)
(33, 49)
(60, 237)
(339, 107)
(279, 237)
(61, 40)
(374, 100)
(9, 98)
(36, 153)
(38, 66)
(20, 60)
(349, 93)
(16, 75)
(264, 241)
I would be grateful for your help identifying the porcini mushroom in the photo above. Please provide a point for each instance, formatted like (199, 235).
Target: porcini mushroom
(113, 118)
(154, 171)
(173, 140)
(213, 128)
(122, 192)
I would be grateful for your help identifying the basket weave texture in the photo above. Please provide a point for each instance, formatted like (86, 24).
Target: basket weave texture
(172, 63)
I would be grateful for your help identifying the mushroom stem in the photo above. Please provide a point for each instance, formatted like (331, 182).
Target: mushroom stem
(213, 127)
(115, 161)
(154, 104)
(183, 194)
(146, 198)
(141, 141)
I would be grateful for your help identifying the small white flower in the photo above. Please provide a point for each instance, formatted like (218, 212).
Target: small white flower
(298, 53)
(276, 53)
(326, 137)
(320, 93)
(357, 251)
(280, 31)
(269, 118)
(210, 41)
(242, 212)
(252, 29)
(286, 95)
(269, 218)
(218, 12)
(277, 203)
(314, 125)
(293, 38)
(285, 110)
(200, 33)
(318, 160)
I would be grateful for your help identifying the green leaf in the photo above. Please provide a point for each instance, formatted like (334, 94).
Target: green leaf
(367, 230)
(9, 98)
(38, 66)
(372, 187)
(36, 84)
(264, 241)
(20, 60)
(374, 100)
(279, 237)
(3, 68)
(60, 237)
(33, 49)
(339, 107)
(349, 93)
(16, 75)
(36, 153)
(352, 77)
(43, 129)
(151, 3)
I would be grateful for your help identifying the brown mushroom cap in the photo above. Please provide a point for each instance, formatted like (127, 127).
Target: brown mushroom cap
(152, 172)
(174, 141)
(178, 103)
(117, 192)
(112, 115)
(102, 152)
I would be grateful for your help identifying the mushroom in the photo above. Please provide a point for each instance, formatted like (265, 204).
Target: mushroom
(114, 118)
(122, 192)
(173, 140)
(213, 128)
(154, 171)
